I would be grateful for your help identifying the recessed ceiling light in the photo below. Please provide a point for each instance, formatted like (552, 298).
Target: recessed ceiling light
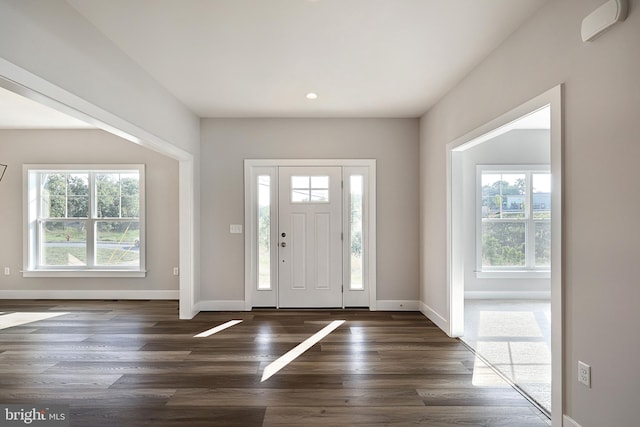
(311, 95)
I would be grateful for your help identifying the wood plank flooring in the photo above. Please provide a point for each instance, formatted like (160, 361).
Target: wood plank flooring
(132, 363)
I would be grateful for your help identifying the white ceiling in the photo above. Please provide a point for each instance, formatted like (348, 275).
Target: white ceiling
(18, 112)
(258, 58)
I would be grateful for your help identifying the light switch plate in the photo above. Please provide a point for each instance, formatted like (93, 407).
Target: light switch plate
(235, 229)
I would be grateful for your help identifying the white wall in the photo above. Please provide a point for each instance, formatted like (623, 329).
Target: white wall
(601, 152)
(227, 142)
(512, 148)
(89, 146)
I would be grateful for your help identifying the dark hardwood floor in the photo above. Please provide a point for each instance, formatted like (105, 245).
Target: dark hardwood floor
(132, 363)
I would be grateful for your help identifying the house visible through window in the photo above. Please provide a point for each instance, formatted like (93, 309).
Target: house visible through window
(85, 218)
(514, 218)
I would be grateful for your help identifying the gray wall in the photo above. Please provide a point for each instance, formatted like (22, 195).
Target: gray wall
(227, 142)
(512, 148)
(601, 152)
(89, 146)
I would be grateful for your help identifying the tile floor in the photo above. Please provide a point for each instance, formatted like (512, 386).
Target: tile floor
(515, 337)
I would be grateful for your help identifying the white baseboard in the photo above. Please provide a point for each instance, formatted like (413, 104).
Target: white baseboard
(567, 421)
(218, 305)
(90, 294)
(397, 305)
(435, 317)
(507, 295)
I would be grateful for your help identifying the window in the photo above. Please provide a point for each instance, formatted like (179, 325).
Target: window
(310, 189)
(85, 220)
(356, 218)
(514, 218)
(264, 232)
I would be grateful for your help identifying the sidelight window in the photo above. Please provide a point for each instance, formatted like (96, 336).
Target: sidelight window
(356, 218)
(264, 232)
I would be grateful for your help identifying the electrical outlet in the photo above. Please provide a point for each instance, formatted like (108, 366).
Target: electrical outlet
(7, 271)
(176, 271)
(584, 374)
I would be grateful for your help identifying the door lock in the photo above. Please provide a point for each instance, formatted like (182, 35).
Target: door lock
(283, 244)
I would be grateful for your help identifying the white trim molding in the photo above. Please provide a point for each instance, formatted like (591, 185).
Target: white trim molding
(398, 305)
(542, 295)
(221, 305)
(567, 421)
(440, 321)
(86, 294)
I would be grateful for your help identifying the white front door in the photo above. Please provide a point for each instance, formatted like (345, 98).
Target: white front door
(310, 237)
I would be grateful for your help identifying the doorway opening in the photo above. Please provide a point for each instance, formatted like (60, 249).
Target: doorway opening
(21, 82)
(504, 246)
(310, 233)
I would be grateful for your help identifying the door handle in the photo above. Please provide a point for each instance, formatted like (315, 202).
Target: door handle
(283, 244)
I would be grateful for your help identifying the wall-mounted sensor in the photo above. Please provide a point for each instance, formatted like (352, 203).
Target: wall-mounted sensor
(603, 18)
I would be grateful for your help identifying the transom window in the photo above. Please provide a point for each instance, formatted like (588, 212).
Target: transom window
(310, 189)
(85, 218)
(514, 218)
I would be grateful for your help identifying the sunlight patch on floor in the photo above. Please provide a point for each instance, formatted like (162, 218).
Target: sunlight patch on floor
(508, 324)
(294, 353)
(217, 329)
(17, 319)
(484, 376)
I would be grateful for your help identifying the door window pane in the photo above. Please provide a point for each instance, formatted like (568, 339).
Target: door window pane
(319, 195)
(64, 243)
(355, 225)
(300, 182)
(319, 182)
(264, 232)
(300, 196)
(310, 189)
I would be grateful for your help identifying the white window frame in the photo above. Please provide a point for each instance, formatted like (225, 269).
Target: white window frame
(529, 270)
(31, 205)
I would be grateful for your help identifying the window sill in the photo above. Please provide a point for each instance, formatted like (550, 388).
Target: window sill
(514, 274)
(84, 273)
